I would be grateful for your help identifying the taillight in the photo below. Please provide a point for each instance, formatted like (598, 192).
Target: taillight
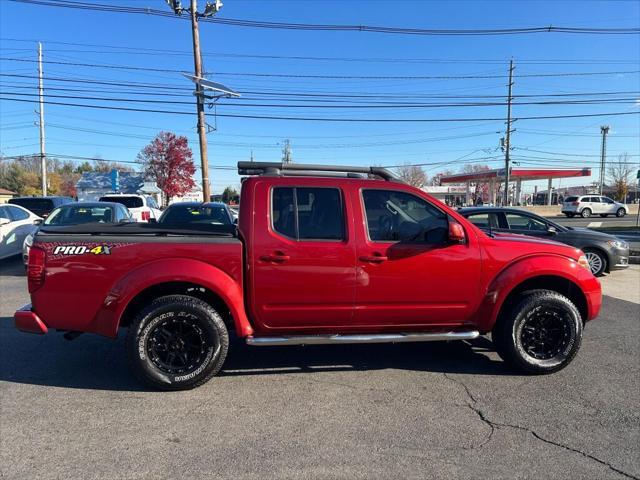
(575, 203)
(146, 216)
(35, 269)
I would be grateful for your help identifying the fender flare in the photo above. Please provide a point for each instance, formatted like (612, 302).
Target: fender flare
(528, 268)
(188, 270)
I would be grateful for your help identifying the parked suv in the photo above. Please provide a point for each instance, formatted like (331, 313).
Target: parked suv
(41, 206)
(142, 207)
(587, 205)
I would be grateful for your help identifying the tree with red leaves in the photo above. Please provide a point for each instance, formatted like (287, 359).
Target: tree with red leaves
(168, 160)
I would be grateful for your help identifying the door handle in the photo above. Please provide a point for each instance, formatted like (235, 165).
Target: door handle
(276, 257)
(373, 258)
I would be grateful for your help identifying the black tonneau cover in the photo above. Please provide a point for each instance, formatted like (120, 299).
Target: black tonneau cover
(143, 229)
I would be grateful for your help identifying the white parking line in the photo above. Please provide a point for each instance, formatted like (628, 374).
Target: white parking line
(594, 225)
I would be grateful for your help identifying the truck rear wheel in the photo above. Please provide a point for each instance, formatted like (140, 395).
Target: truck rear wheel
(177, 343)
(540, 334)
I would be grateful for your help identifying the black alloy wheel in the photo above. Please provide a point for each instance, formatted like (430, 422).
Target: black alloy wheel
(545, 333)
(540, 332)
(177, 342)
(177, 345)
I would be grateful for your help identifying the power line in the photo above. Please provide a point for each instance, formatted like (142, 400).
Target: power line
(328, 77)
(327, 119)
(378, 105)
(336, 28)
(122, 49)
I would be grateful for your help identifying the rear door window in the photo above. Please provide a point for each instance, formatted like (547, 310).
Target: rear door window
(308, 213)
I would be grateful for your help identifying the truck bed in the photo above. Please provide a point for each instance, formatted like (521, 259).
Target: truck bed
(93, 271)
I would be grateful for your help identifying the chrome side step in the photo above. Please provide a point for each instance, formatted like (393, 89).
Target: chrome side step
(365, 338)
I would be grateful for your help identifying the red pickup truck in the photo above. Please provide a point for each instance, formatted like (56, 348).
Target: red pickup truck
(321, 255)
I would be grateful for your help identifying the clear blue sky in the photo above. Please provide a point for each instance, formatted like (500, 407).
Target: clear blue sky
(119, 135)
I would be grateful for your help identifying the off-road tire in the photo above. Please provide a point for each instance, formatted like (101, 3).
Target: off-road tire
(586, 213)
(507, 334)
(205, 328)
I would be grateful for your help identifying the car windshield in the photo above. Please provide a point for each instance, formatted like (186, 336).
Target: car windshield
(199, 214)
(129, 202)
(79, 214)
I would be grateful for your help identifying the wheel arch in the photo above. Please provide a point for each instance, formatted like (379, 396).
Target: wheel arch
(554, 283)
(167, 277)
(548, 272)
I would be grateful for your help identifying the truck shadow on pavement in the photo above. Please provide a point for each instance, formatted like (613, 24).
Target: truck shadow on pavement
(93, 362)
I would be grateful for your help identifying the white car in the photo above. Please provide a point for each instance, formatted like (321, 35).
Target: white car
(142, 207)
(15, 224)
(587, 205)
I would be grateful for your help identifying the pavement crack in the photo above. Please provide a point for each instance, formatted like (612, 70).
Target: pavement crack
(472, 405)
(535, 434)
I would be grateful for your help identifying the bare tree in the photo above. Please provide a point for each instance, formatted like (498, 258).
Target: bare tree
(412, 174)
(620, 176)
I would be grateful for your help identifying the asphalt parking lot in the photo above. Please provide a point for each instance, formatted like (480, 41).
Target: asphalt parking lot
(72, 409)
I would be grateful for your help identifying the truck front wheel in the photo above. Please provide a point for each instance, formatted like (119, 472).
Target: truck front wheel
(540, 334)
(177, 343)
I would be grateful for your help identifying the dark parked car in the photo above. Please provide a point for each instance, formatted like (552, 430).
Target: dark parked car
(197, 213)
(41, 206)
(604, 252)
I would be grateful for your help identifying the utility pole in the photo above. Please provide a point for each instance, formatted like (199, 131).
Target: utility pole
(603, 155)
(507, 140)
(211, 8)
(286, 152)
(43, 157)
(202, 124)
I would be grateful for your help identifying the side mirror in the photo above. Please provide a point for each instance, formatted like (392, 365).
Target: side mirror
(38, 221)
(552, 230)
(4, 221)
(235, 221)
(456, 233)
(153, 220)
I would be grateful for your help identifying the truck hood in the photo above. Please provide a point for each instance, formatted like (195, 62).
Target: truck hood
(533, 244)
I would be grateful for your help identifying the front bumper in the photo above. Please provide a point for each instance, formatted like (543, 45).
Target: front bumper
(619, 259)
(27, 321)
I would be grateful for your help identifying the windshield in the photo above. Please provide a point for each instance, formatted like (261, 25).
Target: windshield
(570, 199)
(196, 215)
(77, 215)
(129, 202)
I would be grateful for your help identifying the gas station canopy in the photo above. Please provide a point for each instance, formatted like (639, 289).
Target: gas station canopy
(516, 174)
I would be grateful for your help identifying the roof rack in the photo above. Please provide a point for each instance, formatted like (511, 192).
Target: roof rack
(301, 169)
